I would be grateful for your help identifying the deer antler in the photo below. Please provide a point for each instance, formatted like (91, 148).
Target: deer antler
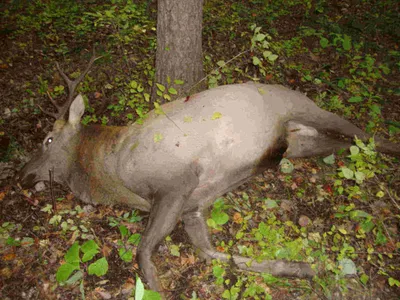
(72, 84)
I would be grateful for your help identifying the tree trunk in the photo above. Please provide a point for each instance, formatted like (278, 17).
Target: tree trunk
(179, 51)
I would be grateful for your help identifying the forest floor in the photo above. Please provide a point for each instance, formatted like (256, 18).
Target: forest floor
(340, 213)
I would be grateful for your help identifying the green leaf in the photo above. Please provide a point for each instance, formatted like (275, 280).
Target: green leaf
(375, 109)
(260, 37)
(211, 223)
(72, 255)
(64, 271)
(99, 267)
(358, 214)
(360, 176)
(187, 119)
(125, 254)
(348, 267)
(267, 53)
(286, 166)
(157, 137)
(227, 294)
(158, 109)
(179, 82)
(329, 160)
(75, 278)
(272, 57)
(263, 229)
(219, 217)
(393, 282)
(134, 239)
(256, 61)
(380, 238)
(133, 84)
(172, 91)
(90, 249)
(380, 194)
(174, 249)
(364, 278)
(151, 295)
(139, 289)
(324, 42)
(218, 271)
(347, 173)
(355, 99)
(221, 63)
(160, 87)
(216, 115)
(346, 43)
(354, 150)
(123, 230)
(367, 225)
(271, 203)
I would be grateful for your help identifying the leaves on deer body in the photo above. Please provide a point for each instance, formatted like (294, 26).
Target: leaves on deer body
(157, 137)
(216, 115)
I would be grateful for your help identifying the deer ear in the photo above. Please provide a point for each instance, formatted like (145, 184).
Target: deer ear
(76, 110)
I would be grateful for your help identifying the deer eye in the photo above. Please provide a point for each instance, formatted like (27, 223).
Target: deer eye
(49, 141)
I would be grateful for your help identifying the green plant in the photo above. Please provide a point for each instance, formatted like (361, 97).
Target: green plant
(261, 48)
(142, 294)
(218, 215)
(128, 240)
(71, 271)
(69, 221)
(364, 164)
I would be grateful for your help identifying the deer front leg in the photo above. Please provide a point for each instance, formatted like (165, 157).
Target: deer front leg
(164, 215)
(196, 227)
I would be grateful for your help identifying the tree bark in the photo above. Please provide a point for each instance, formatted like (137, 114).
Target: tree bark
(179, 53)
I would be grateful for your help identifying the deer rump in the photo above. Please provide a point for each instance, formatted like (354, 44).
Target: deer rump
(187, 154)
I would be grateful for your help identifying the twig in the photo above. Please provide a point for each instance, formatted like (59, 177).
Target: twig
(205, 77)
(53, 200)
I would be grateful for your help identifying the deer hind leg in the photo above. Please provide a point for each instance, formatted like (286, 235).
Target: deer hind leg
(196, 227)
(306, 141)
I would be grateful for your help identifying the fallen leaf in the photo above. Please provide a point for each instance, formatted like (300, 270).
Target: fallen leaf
(97, 95)
(304, 221)
(268, 77)
(103, 294)
(216, 115)
(314, 57)
(106, 250)
(188, 260)
(9, 256)
(328, 189)
(128, 287)
(299, 180)
(286, 205)
(220, 249)
(6, 272)
(237, 218)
